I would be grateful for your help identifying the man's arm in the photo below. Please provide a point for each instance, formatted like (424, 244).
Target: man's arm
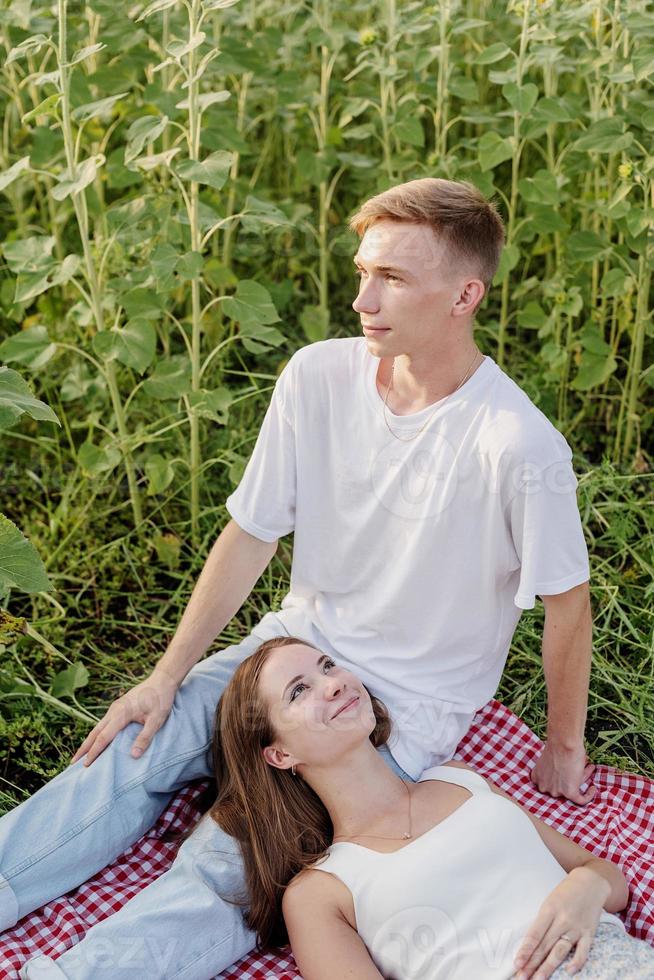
(567, 651)
(235, 562)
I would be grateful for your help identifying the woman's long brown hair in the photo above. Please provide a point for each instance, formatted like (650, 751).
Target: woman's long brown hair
(280, 823)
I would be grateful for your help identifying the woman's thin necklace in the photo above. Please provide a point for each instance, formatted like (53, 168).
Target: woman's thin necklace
(438, 403)
(405, 836)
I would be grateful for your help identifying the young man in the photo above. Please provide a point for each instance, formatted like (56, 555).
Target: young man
(430, 503)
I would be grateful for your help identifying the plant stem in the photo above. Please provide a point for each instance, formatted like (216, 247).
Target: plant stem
(81, 213)
(515, 169)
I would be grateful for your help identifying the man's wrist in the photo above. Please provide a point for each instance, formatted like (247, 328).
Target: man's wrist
(165, 671)
(565, 744)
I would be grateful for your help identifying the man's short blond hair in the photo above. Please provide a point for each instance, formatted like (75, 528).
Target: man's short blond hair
(469, 226)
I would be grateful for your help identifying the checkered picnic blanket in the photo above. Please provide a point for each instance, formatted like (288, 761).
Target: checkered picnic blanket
(618, 825)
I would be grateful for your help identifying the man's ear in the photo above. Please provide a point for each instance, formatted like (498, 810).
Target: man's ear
(277, 758)
(471, 294)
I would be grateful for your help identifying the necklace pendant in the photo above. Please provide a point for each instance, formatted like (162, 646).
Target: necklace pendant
(406, 837)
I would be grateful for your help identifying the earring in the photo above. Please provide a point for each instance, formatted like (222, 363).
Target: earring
(293, 770)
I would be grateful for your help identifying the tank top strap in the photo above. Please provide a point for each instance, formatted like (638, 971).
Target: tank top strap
(350, 864)
(461, 777)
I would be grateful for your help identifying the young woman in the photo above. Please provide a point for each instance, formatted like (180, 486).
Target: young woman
(370, 875)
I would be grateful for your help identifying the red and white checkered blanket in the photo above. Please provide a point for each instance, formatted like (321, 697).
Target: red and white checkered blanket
(618, 825)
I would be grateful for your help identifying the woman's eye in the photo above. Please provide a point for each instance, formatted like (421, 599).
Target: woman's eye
(329, 663)
(298, 687)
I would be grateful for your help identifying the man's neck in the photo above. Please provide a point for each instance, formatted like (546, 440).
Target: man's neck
(423, 380)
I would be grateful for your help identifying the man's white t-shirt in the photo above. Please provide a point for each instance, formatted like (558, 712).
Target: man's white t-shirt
(412, 559)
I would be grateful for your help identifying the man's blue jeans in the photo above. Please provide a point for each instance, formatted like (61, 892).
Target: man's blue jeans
(177, 928)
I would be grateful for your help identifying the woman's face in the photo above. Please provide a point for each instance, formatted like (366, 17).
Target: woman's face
(316, 708)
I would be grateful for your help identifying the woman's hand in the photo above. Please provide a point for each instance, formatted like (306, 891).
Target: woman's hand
(573, 909)
(148, 703)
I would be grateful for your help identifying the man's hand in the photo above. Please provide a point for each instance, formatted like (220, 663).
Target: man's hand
(561, 771)
(149, 703)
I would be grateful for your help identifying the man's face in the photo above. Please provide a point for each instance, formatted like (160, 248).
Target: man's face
(408, 286)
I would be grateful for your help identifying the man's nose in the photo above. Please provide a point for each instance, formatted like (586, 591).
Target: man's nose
(365, 301)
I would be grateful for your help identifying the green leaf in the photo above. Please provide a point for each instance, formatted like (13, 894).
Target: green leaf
(616, 282)
(66, 682)
(493, 150)
(258, 214)
(163, 262)
(160, 473)
(251, 304)
(213, 170)
(542, 188)
(144, 130)
(553, 110)
(532, 316)
(597, 361)
(647, 119)
(16, 399)
(95, 459)
(134, 345)
(33, 284)
(179, 49)
(217, 4)
(20, 565)
(464, 88)
(508, 261)
(101, 108)
(410, 131)
(604, 136)
(31, 45)
(84, 174)
(155, 7)
(29, 254)
(544, 219)
(586, 246)
(171, 379)
(85, 53)
(144, 304)
(522, 98)
(190, 265)
(206, 99)
(212, 405)
(168, 547)
(31, 347)
(9, 176)
(258, 339)
(495, 52)
(45, 108)
(357, 160)
(643, 62)
(156, 160)
(315, 322)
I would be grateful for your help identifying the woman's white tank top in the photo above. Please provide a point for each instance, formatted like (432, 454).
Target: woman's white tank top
(454, 903)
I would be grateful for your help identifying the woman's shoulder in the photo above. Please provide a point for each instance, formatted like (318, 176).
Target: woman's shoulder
(310, 885)
(312, 890)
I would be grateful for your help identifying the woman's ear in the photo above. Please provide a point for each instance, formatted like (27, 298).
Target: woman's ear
(277, 758)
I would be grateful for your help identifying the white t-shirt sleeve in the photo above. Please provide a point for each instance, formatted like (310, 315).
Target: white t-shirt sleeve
(263, 504)
(547, 533)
